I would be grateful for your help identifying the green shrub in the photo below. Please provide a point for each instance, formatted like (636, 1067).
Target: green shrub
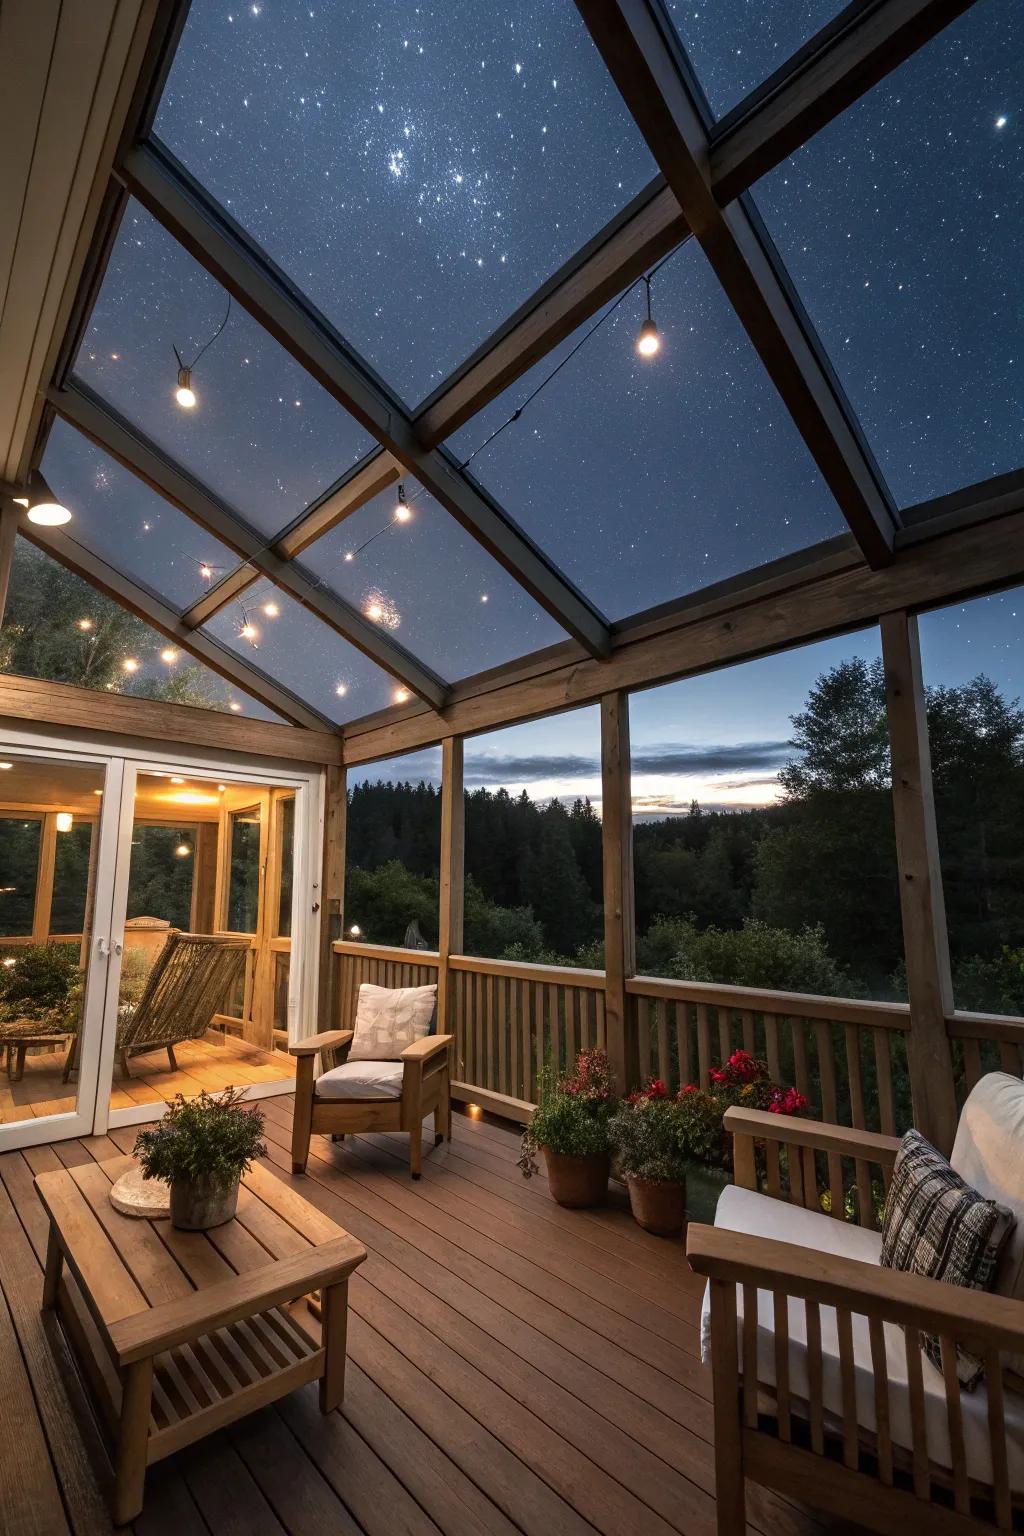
(43, 983)
(572, 1112)
(205, 1136)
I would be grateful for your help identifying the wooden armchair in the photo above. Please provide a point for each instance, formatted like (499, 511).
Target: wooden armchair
(393, 1095)
(821, 1389)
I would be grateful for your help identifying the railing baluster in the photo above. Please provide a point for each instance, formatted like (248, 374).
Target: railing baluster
(997, 1440)
(771, 1043)
(918, 1419)
(955, 1421)
(684, 1051)
(555, 1025)
(749, 1042)
(883, 1066)
(750, 1356)
(664, 1060)
(724, 1035)
(780, 1307)
(643, 1036)
(848, 1388)
(829, 1111)
(880, 1372)
(815, 1377)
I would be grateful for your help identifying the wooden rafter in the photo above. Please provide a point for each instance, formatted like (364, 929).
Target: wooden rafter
(167, 621)
(208, 233)
(110, 432)
(643, 56)
(833, 597)
(837, 67)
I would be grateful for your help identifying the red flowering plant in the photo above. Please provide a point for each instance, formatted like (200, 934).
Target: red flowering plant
(743, 1080)
(572, 1111)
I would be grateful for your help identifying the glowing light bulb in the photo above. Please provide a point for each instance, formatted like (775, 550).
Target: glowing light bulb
(5, 766)
(349, 556)
(205, 572)
(271, 610)
(169, 655)
(65, 821)
(129, 664)
(249, 632)
(182, 851)
(355, 930)
(176, 779)
(484, 597)
(648, 342)
(341, 690)
(185, 394)
(235, 707)
(10, 962)
(222, 787)
(85, 625)
(375, 612)
(401, 695)
(402, 513)
(49, 514)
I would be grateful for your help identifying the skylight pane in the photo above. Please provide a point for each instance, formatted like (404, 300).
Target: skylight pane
(262, 435)
(645, 479)
(429, 167)
(902, 225)
(734, 45)
(430, 584)
(129, 525)
(302, 653)
(58, 627)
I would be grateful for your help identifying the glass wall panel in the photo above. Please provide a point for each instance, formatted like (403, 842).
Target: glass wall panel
(130, 526)
(71, 869)
(160, 879)
(58, 627)
(765, 852)
(19, 866)
(533, 841)
(297, 649)
(736, 44)
(262, 435)
(901, 224)
(244, 871)
(646, 478)
(430, 166)
(412, 569)
(972, 661)
(392, 851)
(286, 862)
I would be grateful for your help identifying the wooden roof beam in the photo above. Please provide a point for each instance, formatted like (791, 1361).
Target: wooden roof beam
(219, 245)
(644, 58)
(836, 68)
(111, 433)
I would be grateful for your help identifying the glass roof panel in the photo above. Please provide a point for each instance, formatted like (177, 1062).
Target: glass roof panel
(645, 479)
(302, 653)
(128, 524)
(56, 626)
(263, 436)
(431, 584)
(901, 224)
(734, 45)
(430, 166)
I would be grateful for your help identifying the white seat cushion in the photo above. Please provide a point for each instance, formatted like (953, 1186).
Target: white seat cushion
(740, 1210)
(390, 1018)
(362, 1080)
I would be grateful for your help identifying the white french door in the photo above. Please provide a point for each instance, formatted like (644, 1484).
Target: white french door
(65, 1088)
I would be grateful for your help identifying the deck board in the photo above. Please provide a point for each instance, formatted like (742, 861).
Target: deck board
(514, 1368)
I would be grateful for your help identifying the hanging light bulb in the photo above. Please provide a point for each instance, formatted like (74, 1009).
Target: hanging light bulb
(402, 695)
(249, 632)
(341, 690)
(182, 851)
(271, 610)
(185, 394)
(235, 707)
(129, 664)
(169, 655)
(85, 625)
(403, 511)
(206, 572)
(648, 342)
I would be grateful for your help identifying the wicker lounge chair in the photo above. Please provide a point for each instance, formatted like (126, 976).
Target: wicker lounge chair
(191, 979)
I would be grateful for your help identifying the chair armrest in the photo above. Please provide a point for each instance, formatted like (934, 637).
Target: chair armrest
(831, 1280)
(330, 1040)
(429, 1046)
(816, 1134)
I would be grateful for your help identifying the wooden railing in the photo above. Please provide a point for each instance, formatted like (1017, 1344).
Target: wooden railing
(847, 1057)
(509, 1019)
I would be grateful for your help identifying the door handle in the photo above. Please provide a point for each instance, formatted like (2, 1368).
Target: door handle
(107, 949)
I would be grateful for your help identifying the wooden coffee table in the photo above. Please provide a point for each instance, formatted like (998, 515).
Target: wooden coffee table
(180, 1333)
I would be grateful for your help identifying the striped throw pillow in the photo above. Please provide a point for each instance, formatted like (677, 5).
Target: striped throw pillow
(936, 1225)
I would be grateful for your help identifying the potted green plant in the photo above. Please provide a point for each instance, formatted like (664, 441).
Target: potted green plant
(201, 1148)
(649, 1134)
(570, 1126)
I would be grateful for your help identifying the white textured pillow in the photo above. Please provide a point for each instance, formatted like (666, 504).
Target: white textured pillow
(390, 1018)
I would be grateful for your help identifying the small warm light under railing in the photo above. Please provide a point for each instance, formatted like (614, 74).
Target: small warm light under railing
(474, 1111)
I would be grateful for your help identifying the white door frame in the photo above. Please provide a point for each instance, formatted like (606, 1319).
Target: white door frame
(130, 758)
(79, 1121)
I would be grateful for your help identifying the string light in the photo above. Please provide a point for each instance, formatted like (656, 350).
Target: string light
(341, 690)
(235, 707)
(648, 342)
(403, 512)
(271, 610)
(177, 779)
(206, 572)
(129, 664)
(184, 394)
(402, 695)
(249, 632)
(484, 597)
(169, 655)
(221, 788)
(355, 931)
(85, 625)
(183, 851)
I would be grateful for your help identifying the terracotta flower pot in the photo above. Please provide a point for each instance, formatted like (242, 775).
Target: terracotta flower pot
(658, 1205)
(578, 1181)
(198, 1204)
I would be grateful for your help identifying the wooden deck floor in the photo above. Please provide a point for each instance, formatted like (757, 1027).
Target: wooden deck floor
(512, 1367)
(212, 1063)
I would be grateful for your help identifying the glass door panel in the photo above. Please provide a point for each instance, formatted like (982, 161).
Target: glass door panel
(58, 847)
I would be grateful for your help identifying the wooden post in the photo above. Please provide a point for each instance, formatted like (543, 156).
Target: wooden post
(453, 848)
(41, 913)
(619, 919)
(202, 917)
(8, 534)
(926, 946)
(332, 893)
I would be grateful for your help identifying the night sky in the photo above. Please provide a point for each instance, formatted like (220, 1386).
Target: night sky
(418, 170)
